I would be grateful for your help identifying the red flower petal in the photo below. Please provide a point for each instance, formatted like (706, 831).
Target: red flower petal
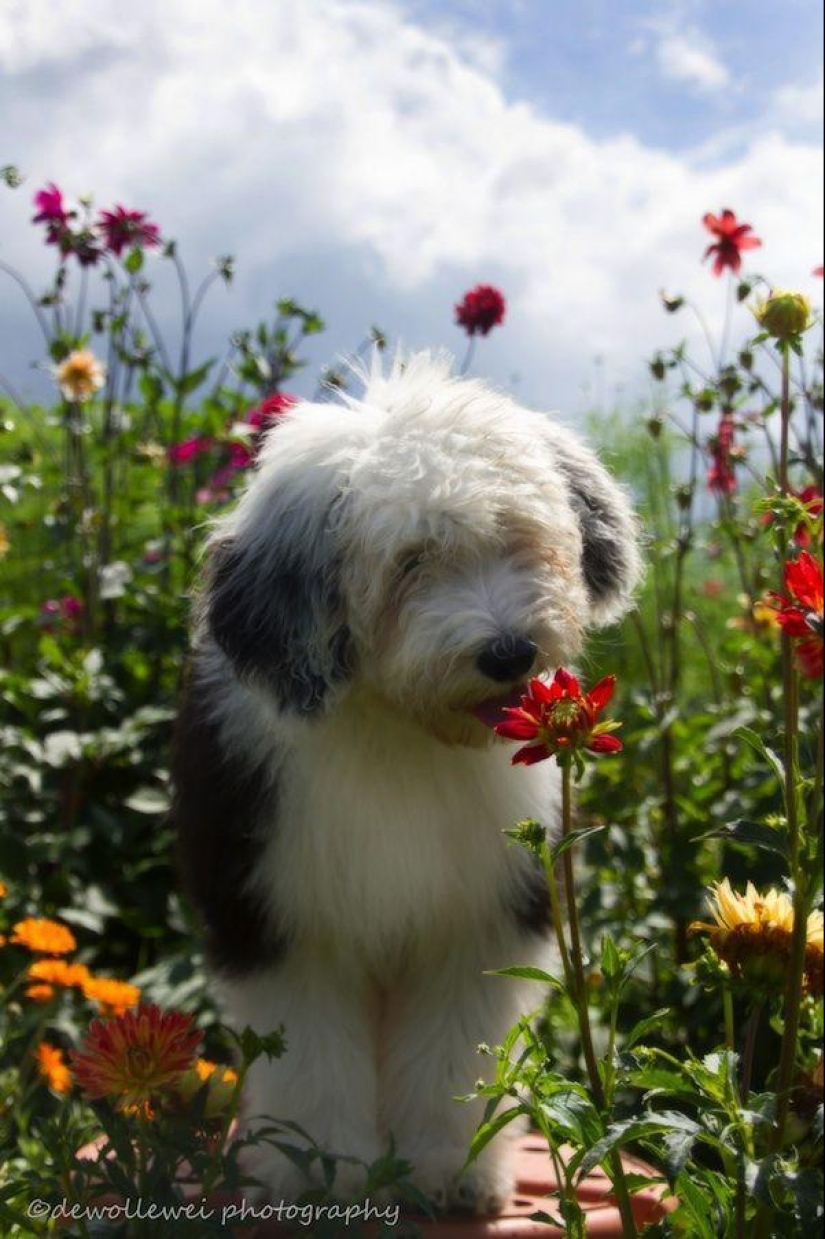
(517, 728)
(605, 744)
(567, 682)
(601, 694)
(530, 755)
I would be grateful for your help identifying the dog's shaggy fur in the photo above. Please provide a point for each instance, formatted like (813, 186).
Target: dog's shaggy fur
(394, 564)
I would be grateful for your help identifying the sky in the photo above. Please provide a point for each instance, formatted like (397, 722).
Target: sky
(376, 158)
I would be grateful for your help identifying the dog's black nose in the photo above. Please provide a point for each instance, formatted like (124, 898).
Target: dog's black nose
(507, 658)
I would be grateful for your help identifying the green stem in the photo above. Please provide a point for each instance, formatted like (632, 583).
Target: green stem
(727, 1007)
(796, 969)
(580, 996)
(558, 922)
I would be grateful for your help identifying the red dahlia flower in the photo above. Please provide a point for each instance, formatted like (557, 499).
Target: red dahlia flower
(731, 239)
(262, 415)
(482, 309)
(559, 718)
(123, 229)
(137, 1054)
(801, 615)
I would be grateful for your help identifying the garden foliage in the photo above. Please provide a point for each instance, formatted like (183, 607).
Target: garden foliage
(685, 1018)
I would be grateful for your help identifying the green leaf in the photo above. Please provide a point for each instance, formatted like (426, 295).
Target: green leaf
(643, 1027)
(528, 973)
(750, 834)
(191, 382)
(575, 836)
(491, 1128)
(758, 744)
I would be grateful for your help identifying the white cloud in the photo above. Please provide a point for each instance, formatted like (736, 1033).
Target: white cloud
(689, 56)
(799, 106)
(365, 155)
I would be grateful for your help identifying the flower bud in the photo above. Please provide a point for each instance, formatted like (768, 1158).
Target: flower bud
(654, 426)
(784, 315)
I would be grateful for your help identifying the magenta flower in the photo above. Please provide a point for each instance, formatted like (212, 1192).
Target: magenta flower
(50, 208)
(481, 309)
(183, 453)
(61, 613)
(262, 415)
(124, 229)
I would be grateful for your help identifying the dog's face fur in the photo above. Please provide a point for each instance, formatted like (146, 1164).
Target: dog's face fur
(386, 547)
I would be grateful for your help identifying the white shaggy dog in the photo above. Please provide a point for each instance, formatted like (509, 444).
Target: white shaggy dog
(396, 566)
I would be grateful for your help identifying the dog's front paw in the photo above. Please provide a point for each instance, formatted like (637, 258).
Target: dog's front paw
(484, 1187)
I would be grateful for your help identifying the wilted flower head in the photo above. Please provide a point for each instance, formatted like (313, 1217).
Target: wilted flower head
(80, 375)
(135, 1055)
(752, 934)
(481, 309)
(124, 229)
(784, 315)
(559, 719)
(732, 238)
(801, 615)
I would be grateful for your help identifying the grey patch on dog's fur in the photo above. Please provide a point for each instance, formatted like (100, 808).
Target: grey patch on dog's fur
(218, 806)
(278, 616)
(609, 559)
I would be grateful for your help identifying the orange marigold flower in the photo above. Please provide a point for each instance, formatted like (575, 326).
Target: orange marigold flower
(58, 972)
(801, 615)
(135, 1055)
(4, 890)
(752, 935)
(47, 937)
(559, 719)
(40, 993)
(51, 1063)
(112, 997)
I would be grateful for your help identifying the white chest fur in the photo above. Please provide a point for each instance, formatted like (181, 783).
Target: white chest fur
(387, 838)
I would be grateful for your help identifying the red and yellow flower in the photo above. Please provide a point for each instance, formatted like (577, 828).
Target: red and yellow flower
(558, 719)
(752, 934)
(136, 1055)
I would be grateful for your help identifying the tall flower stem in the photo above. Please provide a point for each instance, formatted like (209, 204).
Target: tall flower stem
(579, 994)
(790, 686)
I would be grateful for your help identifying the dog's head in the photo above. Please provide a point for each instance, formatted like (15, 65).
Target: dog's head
(434, 544)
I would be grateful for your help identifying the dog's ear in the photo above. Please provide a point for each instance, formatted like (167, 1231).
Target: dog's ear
(273, 604)
(611, 562)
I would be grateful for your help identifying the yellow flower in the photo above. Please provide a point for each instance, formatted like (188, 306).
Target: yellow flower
(52, 1067)
(80, 375)
(4, 550)
(42, 935)
(112, 997)
(752, 935)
